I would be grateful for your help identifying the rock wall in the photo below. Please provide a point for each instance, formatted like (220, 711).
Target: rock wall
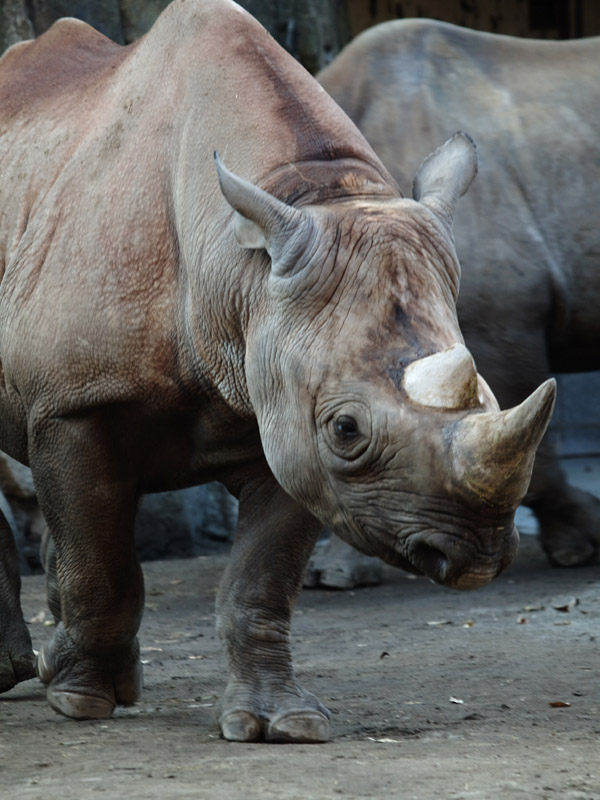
(191, 522)
(314, 31)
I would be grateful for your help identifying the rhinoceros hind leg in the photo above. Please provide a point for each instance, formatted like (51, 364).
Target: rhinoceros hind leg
(81, 689)
(570, 530)
(336, 565)
(17, 662)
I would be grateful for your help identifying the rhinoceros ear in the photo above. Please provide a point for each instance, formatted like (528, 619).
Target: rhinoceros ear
(445, 175)
(261, 220)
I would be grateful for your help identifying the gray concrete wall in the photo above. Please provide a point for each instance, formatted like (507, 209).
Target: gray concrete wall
(576, 421)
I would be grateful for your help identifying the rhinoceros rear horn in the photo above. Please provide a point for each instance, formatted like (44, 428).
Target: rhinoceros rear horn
(447, 379)
(262, 221)
(445, 175)
(493, 452)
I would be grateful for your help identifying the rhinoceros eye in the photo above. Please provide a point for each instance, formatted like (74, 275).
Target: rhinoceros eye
(346, 428)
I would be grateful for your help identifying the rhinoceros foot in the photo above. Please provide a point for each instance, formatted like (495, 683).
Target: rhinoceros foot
(298, 726)
(17, 661)
(298, 718)
(82, 687)
(336, 565)
(570, 534)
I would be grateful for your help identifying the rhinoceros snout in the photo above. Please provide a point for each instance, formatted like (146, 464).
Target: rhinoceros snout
(458, 564)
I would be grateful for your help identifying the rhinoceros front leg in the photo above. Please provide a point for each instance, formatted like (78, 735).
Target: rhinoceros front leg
(263, 699)
(17, 662)
(87, 490)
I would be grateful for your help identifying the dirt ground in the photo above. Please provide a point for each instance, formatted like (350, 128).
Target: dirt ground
(434, 694)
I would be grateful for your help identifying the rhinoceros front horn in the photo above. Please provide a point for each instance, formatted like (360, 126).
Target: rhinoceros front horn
(493, 452)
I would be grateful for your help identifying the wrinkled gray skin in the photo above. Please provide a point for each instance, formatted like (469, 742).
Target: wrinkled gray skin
(527, 234)
(298, 342)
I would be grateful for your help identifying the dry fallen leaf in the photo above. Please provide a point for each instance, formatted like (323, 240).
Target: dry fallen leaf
(522, 620)
(383, 741)
(559, 704)
(565, 604)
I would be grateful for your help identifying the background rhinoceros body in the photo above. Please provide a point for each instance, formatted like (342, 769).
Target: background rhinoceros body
(314, 366)
(527, 234)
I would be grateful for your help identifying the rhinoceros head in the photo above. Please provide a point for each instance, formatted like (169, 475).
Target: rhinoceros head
(371, 410)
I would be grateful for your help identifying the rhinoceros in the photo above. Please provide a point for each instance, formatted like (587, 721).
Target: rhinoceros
(280, 319)
(527, 234)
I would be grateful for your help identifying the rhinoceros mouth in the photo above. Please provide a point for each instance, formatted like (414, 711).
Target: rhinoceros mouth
(473, 580)
(452, 561)
(432, 563)
(451, 553)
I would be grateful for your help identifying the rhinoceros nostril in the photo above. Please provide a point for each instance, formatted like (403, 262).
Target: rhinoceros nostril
(431, 561)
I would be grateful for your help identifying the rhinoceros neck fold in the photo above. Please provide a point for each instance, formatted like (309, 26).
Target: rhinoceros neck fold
(319, 181)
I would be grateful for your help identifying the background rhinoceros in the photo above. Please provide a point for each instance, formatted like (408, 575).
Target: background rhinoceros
(527, 234)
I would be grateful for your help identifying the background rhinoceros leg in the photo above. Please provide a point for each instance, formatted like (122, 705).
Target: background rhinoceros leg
(263, 699)
(513, 359)
(336, 565)
(569, 518)
(87, 490)
(17, 662)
